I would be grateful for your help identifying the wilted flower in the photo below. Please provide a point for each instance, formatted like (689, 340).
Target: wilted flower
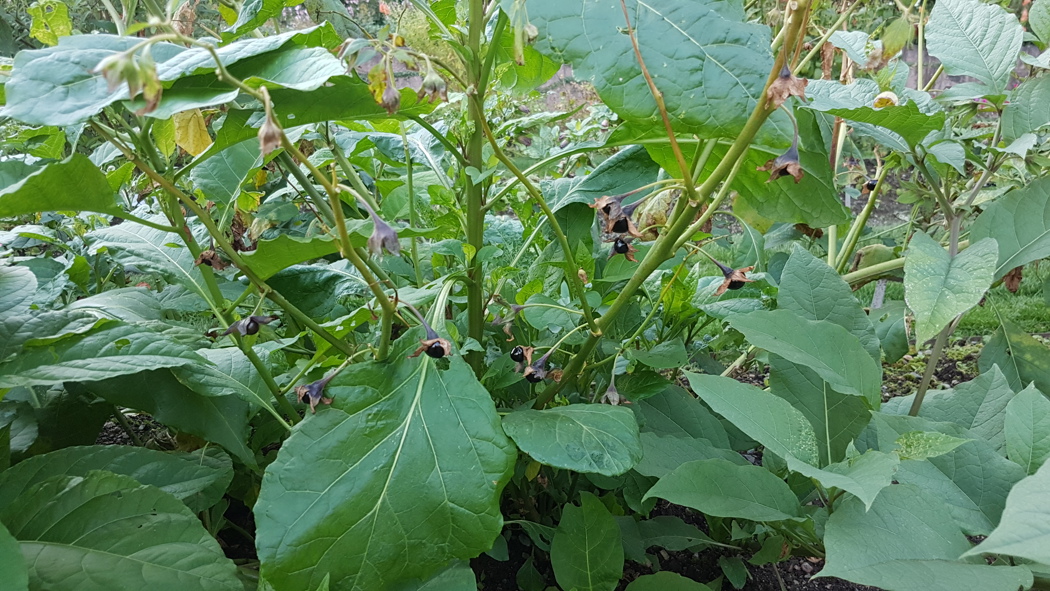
(615, 216)
(536, 372)
(621, 246)
(119, 68)
(785, 164)
(784, 86)
(734, 278)
(391, 97)
(383, 237)
(211, 258)
(313, 393)
(507, 322)
(612, 396)
(269, 136)
(248, 326)
(433, 87)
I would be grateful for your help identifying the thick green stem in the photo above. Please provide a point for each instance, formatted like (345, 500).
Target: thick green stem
(475, 191)
(412, 221)
(931, 365)
(323, 209)
(868, 273)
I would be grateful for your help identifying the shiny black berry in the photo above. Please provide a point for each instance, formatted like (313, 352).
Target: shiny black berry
(621, 247)
(517, 354)
(871, 184)
(435, 350)
(534, 377)
(620, 226)
(735, 284)
(251, 327)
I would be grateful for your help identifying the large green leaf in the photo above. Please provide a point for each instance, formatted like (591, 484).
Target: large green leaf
(836, 418)
(43, 328)
(12, 566)
(665, 531)
(595, 438)
(74, 184)
(130, 304)
(724, 489)
(938, 287)
(907, 542)
(974, 38)
(17, 286)
(665, 581)
(1020, 223)
(219, 419)
(586, 552)
(972, 479)
(863, 476)
(251, 16)
(230, 373)
(1028, 429)
(674, 412)
(220, 177)
(770, 420)
(831, 351)
(406, 454)
(106, 531)
(1024, 530)
(1021, 358)
(911, 121)
(710, 66)
(198, 479)
(1029, 106)
(813, 290)
(624, 171)
(55, 86)
(978, 406)
(273, 256)
(150, 250)
(1039, 20)
(113, 349)
(662, 454)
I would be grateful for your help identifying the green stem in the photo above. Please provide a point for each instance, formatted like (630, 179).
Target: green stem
(931, 365)
(411, 206)
(449, 146)
(323, 209)
(115, 16)
(827, 35)
(853, 236)
(475, 192)
(868, 273)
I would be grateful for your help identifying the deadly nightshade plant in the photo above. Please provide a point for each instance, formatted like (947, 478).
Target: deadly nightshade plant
(788, 162)
(313, 393)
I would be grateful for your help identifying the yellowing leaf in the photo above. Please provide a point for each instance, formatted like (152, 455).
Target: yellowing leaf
(190, 132)
(50, 21)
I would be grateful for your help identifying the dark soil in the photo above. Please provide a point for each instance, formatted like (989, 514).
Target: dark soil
(957, 365)
(143, 425)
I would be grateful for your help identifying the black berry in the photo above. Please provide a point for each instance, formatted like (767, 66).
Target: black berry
(435, 350)
(871, 184)
(620, 247)
(517, 354)
(534, 377)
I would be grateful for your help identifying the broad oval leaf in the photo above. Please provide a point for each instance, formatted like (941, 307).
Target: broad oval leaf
(978, 406)
(710, 66)
(766, 418)
(724, 489)
(1029, 106)
(938, 287)
(272, 256)
(825, 347)
(113, 349)
(407, 454)
(1027, 427)
(595, 438)
(586, 552)
(908, 542)
(198, 479)
(13, 570)
(1021, 358)
(1024, 530)
(17, 286)
(974, 38)
(813, 290)
(74, 184)
(665, 581)
(106, 531)
(863, 476)
(1020, 224)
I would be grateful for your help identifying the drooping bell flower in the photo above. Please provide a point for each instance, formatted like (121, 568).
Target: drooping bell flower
(734, 278)
(536, 372)
(248, 326)
(624, 247)
(313, 393)
(787, 163)
(383, 236)
(433, 345)
(615, 217)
